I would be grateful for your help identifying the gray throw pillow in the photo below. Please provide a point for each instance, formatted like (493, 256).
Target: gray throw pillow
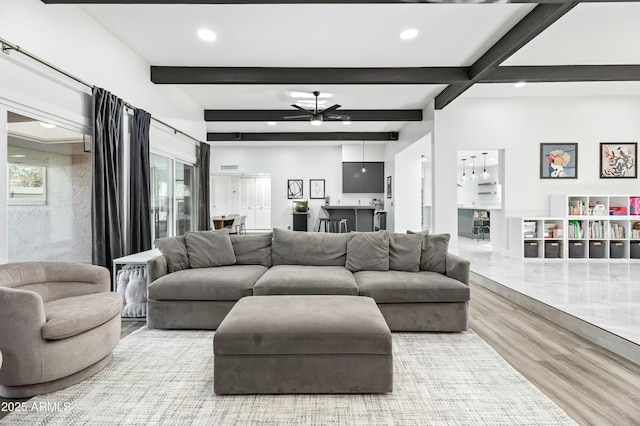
(252, 249)
(174, 249)
(434, 252)
(209, 248)
(368, 251)
(404, 252)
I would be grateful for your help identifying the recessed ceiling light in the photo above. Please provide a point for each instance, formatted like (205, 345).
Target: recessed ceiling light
(206, 35)
(47, 125)
(520, 84)
(409, 34)
(271, 123)
(18, 156)
(347, 123)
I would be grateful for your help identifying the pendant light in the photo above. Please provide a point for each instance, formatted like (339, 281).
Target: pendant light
(364, 169)
(473, 171)
(485, 173)
(464, 171)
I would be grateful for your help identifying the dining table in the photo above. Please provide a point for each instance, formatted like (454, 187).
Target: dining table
(220, 222)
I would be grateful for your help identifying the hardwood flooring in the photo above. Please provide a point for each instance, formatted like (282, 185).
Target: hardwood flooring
(591, 384)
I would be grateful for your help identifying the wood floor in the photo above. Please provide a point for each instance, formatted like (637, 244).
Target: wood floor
(592, 385)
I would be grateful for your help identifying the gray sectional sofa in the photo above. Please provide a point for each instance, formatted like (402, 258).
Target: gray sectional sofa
(415, 282)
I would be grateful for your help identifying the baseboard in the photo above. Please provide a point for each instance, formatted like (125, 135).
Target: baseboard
(599, 336)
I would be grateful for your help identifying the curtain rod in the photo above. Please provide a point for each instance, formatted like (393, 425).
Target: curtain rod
(8, 46)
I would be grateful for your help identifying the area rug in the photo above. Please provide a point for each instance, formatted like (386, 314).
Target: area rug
(166, 377)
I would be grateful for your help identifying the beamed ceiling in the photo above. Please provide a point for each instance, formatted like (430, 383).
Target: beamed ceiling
(271, 54)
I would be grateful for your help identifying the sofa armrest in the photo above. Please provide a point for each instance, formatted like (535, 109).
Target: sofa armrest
(156, 268)
(21, 316)
(457, 268)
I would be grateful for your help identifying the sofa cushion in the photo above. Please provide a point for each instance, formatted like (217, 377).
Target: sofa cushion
(410, 287)
(434, 251)
(209, 248)
(174, 249)
(368, 251)
(405, 251)
(252, 249)
(219, 283)
(308, 248)
(74, 315)
(297, 279)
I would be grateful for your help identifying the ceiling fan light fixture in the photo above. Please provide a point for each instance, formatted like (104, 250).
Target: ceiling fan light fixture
(409, 34)
(316, 119)
(206, 34)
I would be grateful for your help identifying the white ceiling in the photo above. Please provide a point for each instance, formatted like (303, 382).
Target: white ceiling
(352, 35)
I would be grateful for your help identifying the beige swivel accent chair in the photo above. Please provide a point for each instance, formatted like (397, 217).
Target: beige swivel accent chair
(58, 325)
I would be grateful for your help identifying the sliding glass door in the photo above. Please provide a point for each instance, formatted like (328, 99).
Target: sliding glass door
(161, 196)
(185, 191)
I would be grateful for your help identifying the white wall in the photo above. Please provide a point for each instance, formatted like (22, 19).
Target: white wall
(519, 125)
(408, 187)
(283, 163)
(409, 134)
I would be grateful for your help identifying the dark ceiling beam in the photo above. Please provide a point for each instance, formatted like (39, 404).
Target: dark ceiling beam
(303, 136)
(280, 75)
(562, 73)
(307, 1)
(536, 21)
(279, 114)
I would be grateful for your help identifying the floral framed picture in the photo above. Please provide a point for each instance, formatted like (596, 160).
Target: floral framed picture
(618, 160)
(316, 189)
(294, 189)
(558, 161)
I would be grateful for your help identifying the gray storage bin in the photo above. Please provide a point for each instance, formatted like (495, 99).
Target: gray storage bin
(596, 250)
(530, 249)
(616, 249)
(634, 251)
(552, 249)
(576, 249)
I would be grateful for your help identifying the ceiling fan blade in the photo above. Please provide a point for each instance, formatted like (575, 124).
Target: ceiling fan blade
(338, 117)
(330, 109)
(296, 116)
(302, 109)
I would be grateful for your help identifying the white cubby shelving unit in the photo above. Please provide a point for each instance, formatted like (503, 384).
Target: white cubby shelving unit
(599, 226)
(539, 238)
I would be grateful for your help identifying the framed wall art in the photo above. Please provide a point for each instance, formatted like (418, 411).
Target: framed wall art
(618, 160)
(558, 161)
(316, 189)
(294, 189)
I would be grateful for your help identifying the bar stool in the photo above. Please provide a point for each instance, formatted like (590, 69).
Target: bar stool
(337, 225)
(324, 221)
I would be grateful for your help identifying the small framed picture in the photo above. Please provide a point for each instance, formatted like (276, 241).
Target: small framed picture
(388, 186)
(558, 161)
(316, 189)
(618, 160)
(294, 189)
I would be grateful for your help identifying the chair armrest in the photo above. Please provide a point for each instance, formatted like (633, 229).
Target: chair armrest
(156, 268)
(457, 268)
(21, 316)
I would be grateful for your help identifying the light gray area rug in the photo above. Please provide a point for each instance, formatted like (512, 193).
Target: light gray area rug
(166, 377)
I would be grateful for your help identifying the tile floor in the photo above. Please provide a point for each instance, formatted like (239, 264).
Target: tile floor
(603, 293)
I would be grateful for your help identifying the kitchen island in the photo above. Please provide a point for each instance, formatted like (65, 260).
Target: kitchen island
(359, 218)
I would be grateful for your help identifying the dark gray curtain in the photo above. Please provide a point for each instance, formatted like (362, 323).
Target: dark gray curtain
(139, 224)
(106, 191)
(204, 160)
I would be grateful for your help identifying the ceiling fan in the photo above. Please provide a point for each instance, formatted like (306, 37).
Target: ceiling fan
(316, 116)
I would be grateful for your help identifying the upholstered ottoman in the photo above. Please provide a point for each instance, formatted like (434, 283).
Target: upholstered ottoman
(303, 344)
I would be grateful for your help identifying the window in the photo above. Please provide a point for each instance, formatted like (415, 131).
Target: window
(27, 184)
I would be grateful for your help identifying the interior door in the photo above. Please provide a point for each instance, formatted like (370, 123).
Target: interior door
(263, 203)
(248, 201)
